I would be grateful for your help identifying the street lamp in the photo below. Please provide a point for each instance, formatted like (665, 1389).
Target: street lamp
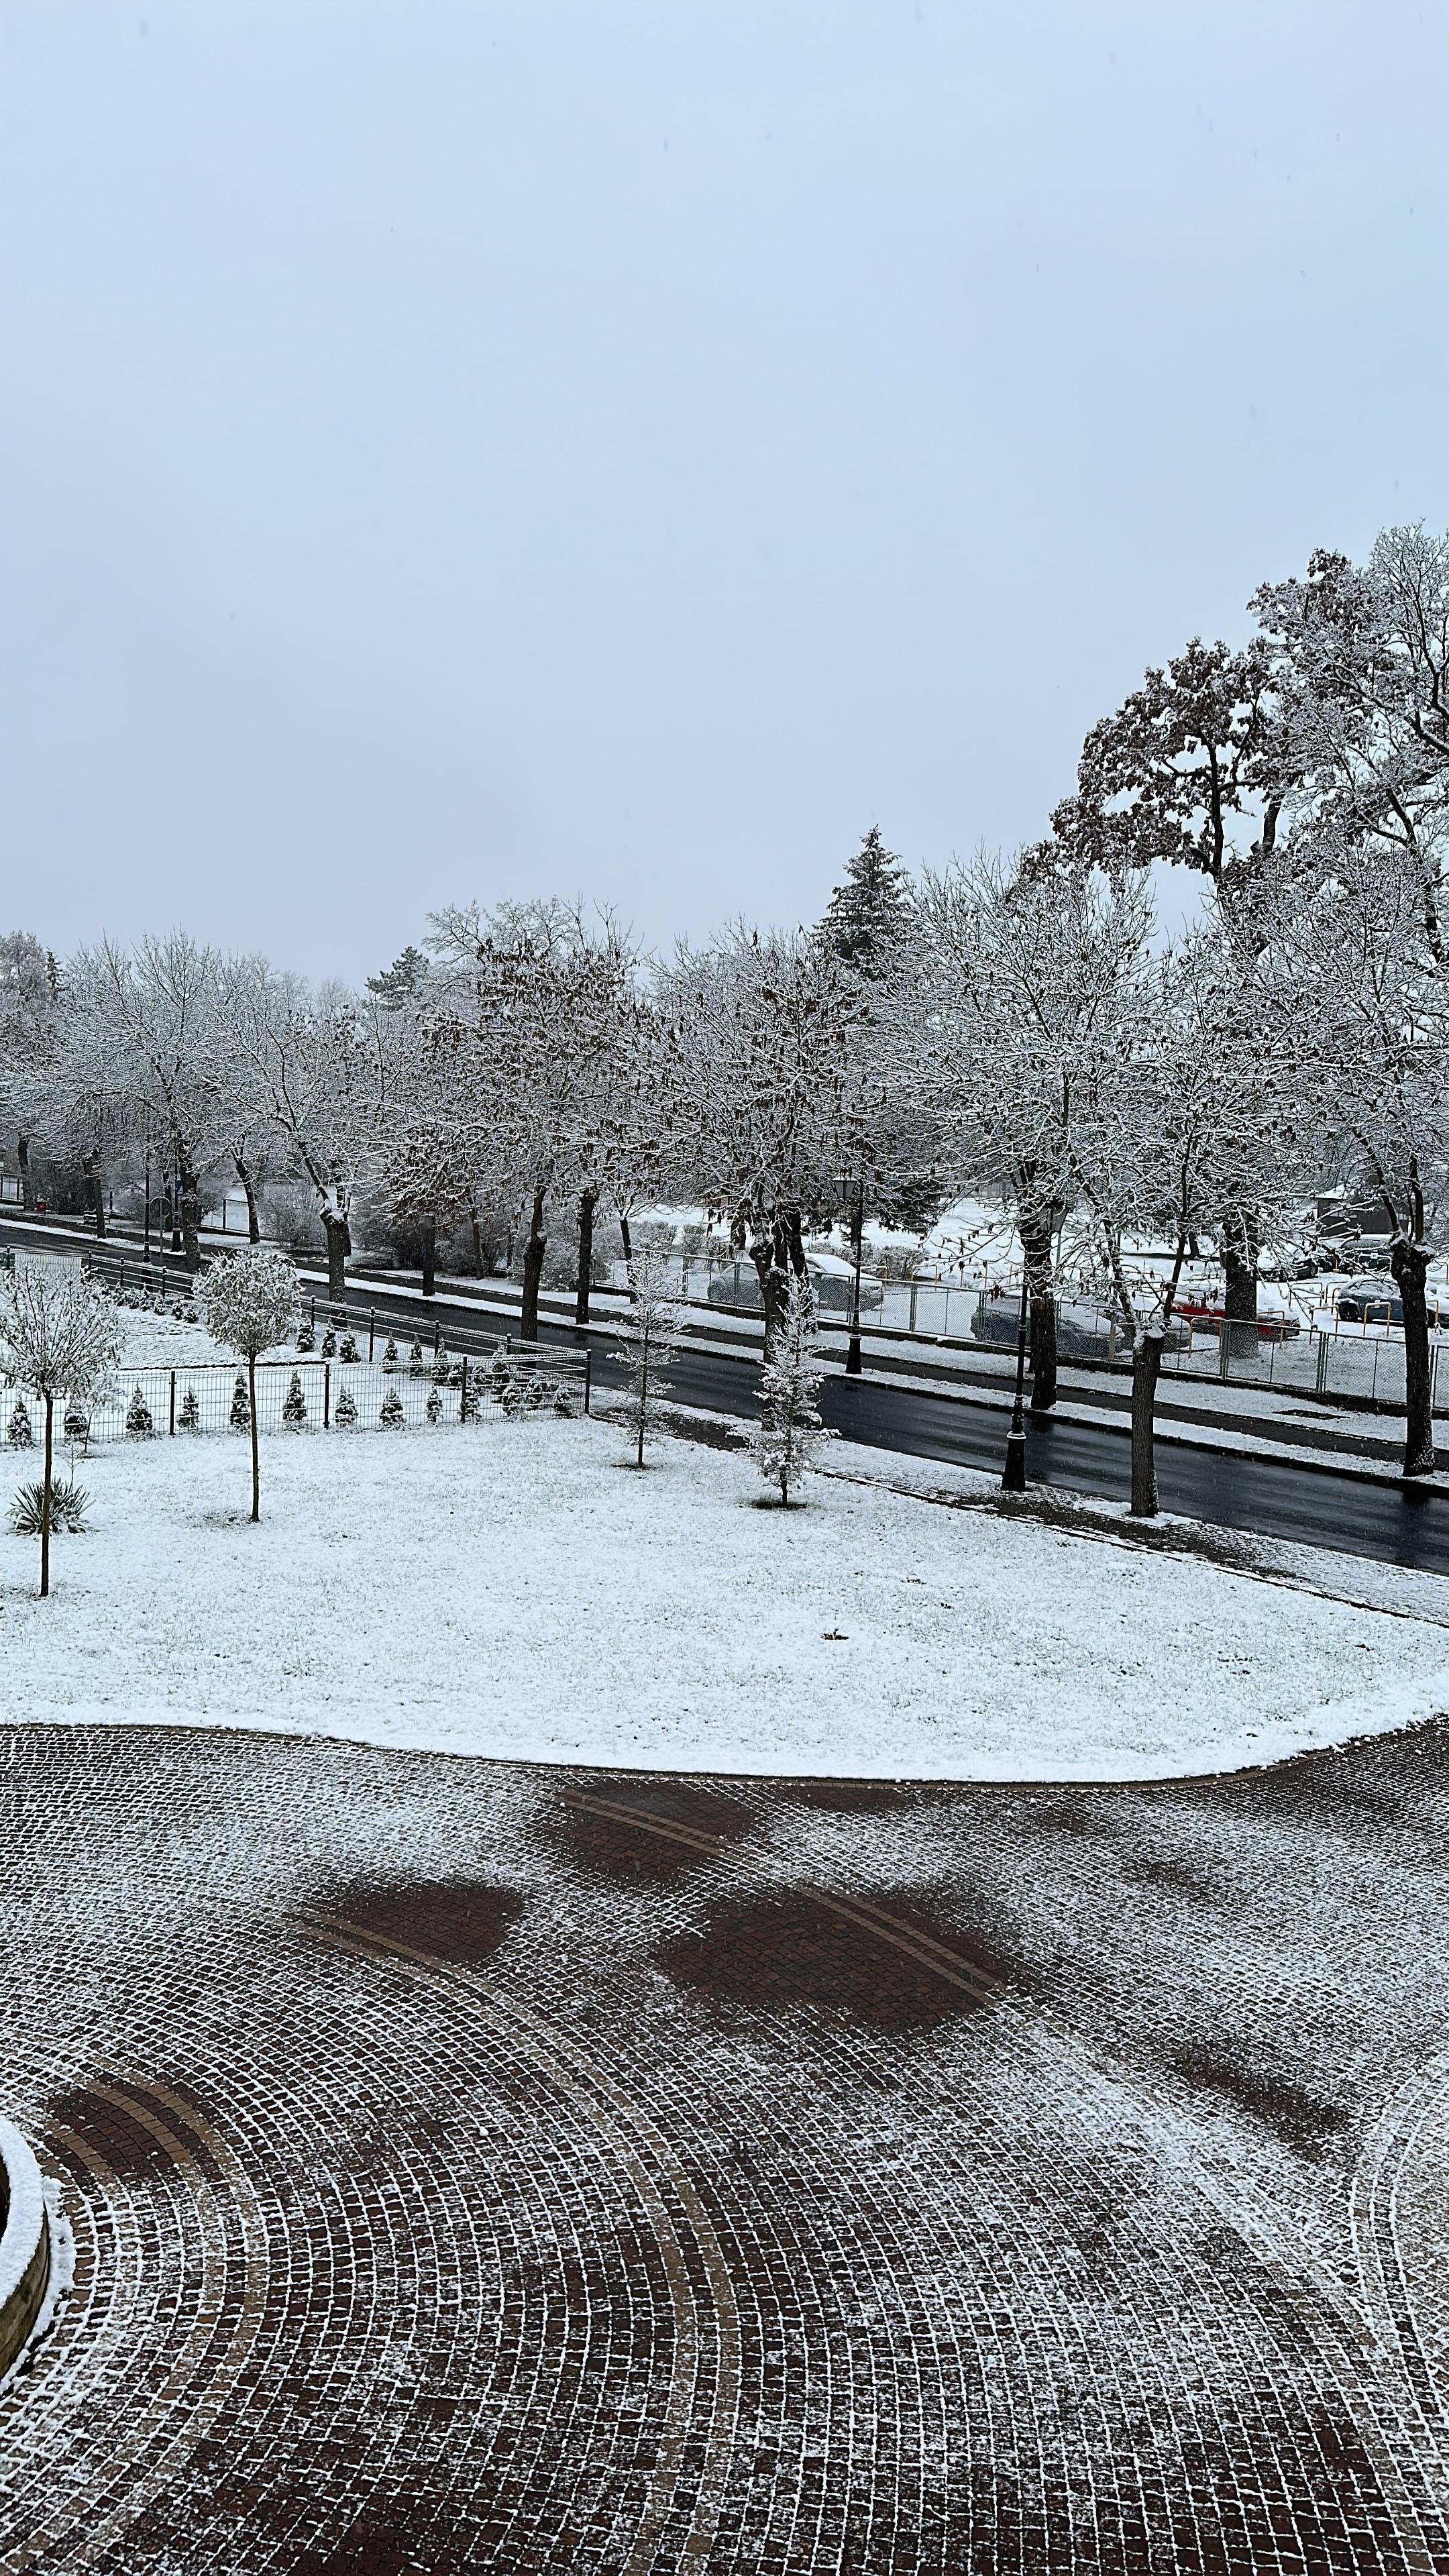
(1013, 1473)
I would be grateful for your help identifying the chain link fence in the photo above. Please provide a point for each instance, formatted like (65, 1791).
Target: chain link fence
(307, 1395)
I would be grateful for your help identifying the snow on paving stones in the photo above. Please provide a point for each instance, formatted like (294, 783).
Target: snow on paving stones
(515, 1590)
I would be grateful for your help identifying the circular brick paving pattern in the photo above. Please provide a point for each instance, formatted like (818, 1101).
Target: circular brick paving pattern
(481, 2167)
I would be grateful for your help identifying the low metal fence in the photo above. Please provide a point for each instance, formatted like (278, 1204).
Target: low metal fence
(306, 1395)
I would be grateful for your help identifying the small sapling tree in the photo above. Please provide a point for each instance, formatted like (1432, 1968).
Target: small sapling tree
(788, 1436)
(249, 1304)
(59, 1334)
(650, 1327)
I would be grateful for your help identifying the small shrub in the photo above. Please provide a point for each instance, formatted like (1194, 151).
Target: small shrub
(392, 1409)
(468, 1400)
(348, 1349)
(177, 1311)
(563, 1402)
(344, 1411)
(455, 1374)
(188, 1416)
(434, 1407)
(192, 1316)
(241, 1407)
(415, 1360)
(139, 1424)
(77, 1423)
(389, 1357)
(294, 1407)
(534, 1391)
(68, 1502)
(21, 1434)
(329, 1344)
(441, 1369)
(306, 1339)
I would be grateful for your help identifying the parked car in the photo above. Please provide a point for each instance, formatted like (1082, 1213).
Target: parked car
(833, 1282)
(1207, 1315)
(1084, 1331)
(1370, 1301)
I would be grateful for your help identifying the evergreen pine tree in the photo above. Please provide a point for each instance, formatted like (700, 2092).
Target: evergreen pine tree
(77, 1423)
(415, 1360)
(21, 1433)
(241, 1411)
(189, 1416)
(468, 1399)
(392, 1408)
(434, 1406)
(869, 908)
(788, 1436)
(294, 1408)
(347, 1349)
(139, 1424)
(329, 1344)
(389, 1357)
(344, 1411)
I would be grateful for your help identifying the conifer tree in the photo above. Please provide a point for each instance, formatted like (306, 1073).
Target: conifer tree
(787, 1438)
(869, 910)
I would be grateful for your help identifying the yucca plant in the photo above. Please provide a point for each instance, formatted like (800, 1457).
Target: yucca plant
(68, 1502)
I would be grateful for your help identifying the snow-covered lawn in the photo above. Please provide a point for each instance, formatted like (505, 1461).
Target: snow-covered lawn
(514, 1590)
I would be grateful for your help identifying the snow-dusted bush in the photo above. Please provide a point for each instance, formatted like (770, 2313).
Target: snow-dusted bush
(250, 1305)
(241, 1411)
(21, 1431)
(77, 1423)
(344, 1411)
(415, 1360)
(389, 1357)
(188, 1416)
(139, 1425)
(392, 1409)
(650, 1326)
(329, 1344)
(306, 1339)
(434, 1405)
(66, 1506)
(294, 1406)
(787, 1439)
(347, 1349)
(468, 1394)
(440, 1368)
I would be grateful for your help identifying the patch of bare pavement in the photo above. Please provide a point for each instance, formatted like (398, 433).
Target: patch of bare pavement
(478, 2167)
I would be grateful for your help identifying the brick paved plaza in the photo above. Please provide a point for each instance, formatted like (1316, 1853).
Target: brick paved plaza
(486, 2167)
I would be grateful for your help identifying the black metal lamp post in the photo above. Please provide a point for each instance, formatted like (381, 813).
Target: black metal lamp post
(852, 1349)
(146, 1233)
(1013, 1473)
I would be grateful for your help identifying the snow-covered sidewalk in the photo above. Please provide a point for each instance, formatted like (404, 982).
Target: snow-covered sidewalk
(515, 1590)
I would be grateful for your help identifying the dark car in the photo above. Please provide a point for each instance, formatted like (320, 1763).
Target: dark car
(1372, 1301)
(1084, 1332)
(834, 1288)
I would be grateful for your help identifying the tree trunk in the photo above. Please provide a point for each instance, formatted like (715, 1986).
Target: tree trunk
(1036, 1243)
(430, 1256)
(339, 1244)
(1240, 1273)
(1146, 1366)
(190, 1221)
(91, 1168)
(1409, 1261)
(477, 1241)
(533, 1252)
(770, 1254)
(27, 1185)
(254, 1227)
(256, 1460)
(627, 1241)
(588, 1201)
(45, 1496)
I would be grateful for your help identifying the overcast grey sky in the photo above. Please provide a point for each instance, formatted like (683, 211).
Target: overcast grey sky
(461, 447)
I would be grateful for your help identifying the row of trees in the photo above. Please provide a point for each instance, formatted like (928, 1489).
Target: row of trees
(1011, 1027)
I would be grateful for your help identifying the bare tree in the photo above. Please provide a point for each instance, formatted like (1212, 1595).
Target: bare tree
(650, 1329)
(249, 1304)
(60, 1334)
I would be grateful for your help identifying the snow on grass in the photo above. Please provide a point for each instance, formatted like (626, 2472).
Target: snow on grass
(514, 1590)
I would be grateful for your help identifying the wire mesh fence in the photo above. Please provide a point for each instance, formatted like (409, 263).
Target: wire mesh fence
(306, 1395)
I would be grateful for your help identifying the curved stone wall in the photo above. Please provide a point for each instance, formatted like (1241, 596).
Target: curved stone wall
(24, 2244)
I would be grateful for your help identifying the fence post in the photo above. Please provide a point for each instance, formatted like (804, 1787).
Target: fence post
(371, 1331)
(437, 1336)
(1322, 1376)
(588, 1379)
(172, 1424)
(911, 1326)
(312, 1315)
(327, 1395)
